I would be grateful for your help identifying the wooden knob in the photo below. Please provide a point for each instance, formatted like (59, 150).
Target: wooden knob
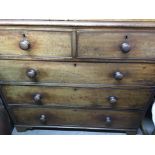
(37, 98)
(31, 73)
(125, 47)
(118, 75)
(43, 119)
(24, 44)
(108, 120)
(112, 100)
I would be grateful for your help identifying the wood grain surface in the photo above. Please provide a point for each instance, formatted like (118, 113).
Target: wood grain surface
(77, 97)
(75, 117)
(86, 54)
(42, 43)
(86, 73)
(106, 44)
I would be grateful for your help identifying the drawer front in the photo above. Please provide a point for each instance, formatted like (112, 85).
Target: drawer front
(76, 118)
(80, 73)
(109, 44)
(41, 43)
(77, 97)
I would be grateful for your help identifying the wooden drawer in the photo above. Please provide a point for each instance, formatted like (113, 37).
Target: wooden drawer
(80, 73)
(106, 44)
(78, 97)
(76, 118)
(42, 43)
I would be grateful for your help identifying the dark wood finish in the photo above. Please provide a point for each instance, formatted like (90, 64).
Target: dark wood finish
(22, 128)
(101, 74)
(88, 73)
(77, 97)
(76, 117)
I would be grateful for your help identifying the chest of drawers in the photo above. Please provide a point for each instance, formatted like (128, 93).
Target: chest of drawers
(77, 74)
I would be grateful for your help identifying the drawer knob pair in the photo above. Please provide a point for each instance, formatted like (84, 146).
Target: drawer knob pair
(43, 119)
(32, 73)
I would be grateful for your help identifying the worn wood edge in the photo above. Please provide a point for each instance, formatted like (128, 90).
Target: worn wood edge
(41, 58)
(36, 28)
(85, 86)
(10, 107)
(81, 23)
(74, 58)
(74, 127)
(55, 106)
(74, 85)
(74, 45)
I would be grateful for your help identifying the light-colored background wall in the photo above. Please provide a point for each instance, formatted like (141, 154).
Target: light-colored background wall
(77, 9)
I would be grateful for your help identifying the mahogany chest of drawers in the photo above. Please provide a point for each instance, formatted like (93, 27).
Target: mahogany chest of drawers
(77, 74)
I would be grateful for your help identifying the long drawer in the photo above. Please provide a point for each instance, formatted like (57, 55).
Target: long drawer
(76, 118)
(116, 44)
(80, 73)
(78, 97)
(33, 43)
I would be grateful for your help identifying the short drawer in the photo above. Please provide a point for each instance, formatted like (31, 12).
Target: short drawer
(77, 97)
(35, 43)
(116, 44)
(79, 73)
(76, 118)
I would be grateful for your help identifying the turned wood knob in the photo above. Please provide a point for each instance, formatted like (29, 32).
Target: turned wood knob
(125, 47)
(108, 120)
(43, 119)
(37, 98)
(112, 100)
(31, 73)
(118, 75)
(24, 44)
